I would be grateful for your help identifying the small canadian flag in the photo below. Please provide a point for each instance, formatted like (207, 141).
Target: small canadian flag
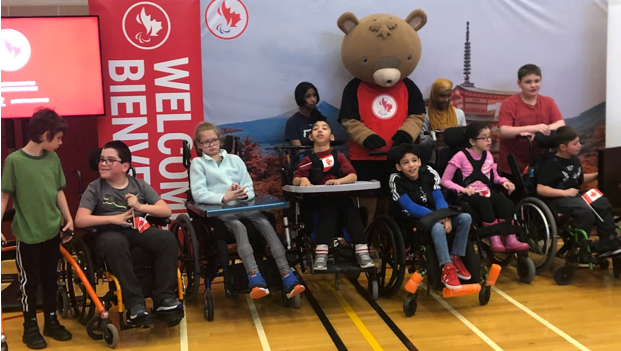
(328, 162)
(141, 224)
(592, 195)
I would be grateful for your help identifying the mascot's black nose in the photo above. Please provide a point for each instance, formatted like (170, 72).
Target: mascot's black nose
(389, 81)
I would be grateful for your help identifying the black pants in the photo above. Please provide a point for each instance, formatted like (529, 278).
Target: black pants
(329, 210)
(114, 248)
(497, 206)
(519, 192)
(38, 264)
(583, 215)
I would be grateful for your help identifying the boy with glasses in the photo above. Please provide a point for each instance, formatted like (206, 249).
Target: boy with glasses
(110, 203)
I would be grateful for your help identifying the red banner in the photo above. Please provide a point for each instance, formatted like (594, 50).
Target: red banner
(152, 84)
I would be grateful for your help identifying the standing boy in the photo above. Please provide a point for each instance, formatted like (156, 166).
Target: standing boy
(33, 178)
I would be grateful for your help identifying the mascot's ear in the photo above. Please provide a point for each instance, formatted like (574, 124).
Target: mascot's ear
(348, 21)
(416, 19)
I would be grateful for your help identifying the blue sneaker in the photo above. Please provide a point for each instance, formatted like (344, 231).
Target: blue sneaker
(291, 284)
(137, 313)
(257, 285)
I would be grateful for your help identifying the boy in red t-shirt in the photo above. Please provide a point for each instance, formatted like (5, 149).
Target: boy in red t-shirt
(525, 114)
(325, 167)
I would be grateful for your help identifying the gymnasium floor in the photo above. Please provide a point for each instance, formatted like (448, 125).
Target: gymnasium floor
(585, 315)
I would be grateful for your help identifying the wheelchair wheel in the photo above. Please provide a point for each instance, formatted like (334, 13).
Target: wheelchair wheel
(5, 346)
(62, 302)
(485, 294)
(110, 334)
(374, 289)
(94, 328)
(386, 245)
(209, 308)
(410, 305)
(188, 255)
(603, 263)
(526, 269)
(564, 275)
(539, 230)
(616, 267)
(81, 306)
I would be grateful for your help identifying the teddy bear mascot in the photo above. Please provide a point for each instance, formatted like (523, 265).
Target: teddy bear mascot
(381, 106)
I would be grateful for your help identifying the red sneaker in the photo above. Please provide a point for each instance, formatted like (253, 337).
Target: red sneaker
(460, 268)
(449, 277)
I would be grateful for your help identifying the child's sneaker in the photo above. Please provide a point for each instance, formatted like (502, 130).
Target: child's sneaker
(460, 268)
(291, 284)
(321, 263)
(54, 329)
(364, 259)
(32, 337)
(137, 313)
(449, 277)
(257, 285)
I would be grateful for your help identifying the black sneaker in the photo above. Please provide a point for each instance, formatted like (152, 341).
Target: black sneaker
(168, 305)
(137, 312)
(54, 329)
(32, 337)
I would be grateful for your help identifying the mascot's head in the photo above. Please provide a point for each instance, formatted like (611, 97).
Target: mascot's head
(381, 49)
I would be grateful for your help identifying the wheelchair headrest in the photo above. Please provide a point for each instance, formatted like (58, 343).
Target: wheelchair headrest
(93, 158)
(455, 139)
(229, 143)
(545, 142)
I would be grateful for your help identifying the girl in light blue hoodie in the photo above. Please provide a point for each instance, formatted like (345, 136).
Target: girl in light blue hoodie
(218, 178)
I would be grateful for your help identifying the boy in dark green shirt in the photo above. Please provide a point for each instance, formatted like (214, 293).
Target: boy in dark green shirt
(33, 178)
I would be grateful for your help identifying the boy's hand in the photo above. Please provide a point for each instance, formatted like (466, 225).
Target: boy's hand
(469, 190)
(132, 201)
(305, 182)
(334, 182)
(448, 226)
(121, 219)
(509, 186)
(571, 192)
(66, 237)
(527, 134)
(542, 128)
(3, 239)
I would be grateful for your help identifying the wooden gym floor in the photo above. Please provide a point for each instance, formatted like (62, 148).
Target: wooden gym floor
(585, 315)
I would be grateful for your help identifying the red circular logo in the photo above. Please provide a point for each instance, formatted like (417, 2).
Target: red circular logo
(226, 19)
(146, 25)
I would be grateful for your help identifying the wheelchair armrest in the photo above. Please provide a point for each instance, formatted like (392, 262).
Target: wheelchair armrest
(158, 221)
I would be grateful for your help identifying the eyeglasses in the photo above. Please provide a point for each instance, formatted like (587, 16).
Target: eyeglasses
(211, 142)
(109, 161)
(489, 137)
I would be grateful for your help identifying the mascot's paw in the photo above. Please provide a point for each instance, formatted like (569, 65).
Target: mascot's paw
(374, 141)
(401, 137)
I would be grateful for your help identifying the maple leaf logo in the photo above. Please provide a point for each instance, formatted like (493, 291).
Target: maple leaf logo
(12, 49)
(329, 162)
(387, 106)
(232, 18)
(151, 26)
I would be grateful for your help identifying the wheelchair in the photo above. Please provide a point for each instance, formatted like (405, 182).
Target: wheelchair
(209, 248)
(454, 138)
(576, 243)
(87, 270)
(300, 225)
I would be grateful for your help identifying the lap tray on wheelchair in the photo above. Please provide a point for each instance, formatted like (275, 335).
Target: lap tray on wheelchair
(259, 203)
(357, 186)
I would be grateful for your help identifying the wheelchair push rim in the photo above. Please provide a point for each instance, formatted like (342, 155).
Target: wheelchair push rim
(539, 230)
(388, 251)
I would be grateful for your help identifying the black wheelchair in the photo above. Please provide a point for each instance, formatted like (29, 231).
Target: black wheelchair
(300, 224)
(82, 305)
(209, 248)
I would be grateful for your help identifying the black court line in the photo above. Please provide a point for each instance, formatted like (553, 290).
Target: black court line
(336, 339)
(395, 329)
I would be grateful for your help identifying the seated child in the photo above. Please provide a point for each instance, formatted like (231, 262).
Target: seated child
(218, 177)
(417, 191)
(110, 203)
(328, 163)
(479, 173)
(559, 181)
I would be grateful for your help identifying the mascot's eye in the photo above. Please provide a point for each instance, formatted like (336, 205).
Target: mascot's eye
(364, 60)
(409, 57)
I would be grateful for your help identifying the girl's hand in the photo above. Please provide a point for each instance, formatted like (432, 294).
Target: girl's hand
(448, 226)
(469, 190)
(334, 182)
(509, 186)
(305, 182)
(132, 201)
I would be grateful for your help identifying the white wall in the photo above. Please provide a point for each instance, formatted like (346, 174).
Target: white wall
(613, 83)
(43, 2)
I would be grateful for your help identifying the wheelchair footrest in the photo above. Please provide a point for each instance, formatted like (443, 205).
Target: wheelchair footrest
(466, 289)
(344, 267)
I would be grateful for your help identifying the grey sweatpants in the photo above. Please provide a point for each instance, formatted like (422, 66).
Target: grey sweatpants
(243, 244)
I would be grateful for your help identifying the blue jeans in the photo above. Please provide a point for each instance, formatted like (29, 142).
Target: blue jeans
(461, 227)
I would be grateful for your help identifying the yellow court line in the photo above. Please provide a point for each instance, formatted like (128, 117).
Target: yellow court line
(358, 322)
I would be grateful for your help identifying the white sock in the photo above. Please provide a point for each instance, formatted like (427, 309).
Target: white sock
(359, 248)
(321, 249)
